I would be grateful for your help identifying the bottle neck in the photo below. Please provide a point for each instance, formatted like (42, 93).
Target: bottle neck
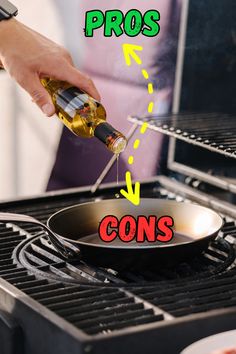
(114, 140)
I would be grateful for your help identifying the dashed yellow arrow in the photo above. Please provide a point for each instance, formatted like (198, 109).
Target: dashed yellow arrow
(129, 52)
(132, 195)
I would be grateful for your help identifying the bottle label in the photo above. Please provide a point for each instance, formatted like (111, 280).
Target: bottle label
(104, 131)
(71, 99)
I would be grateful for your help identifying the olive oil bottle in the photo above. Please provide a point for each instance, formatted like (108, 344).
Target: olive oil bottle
(83, 115)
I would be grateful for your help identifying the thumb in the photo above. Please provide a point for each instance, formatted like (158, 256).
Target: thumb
(39, 94)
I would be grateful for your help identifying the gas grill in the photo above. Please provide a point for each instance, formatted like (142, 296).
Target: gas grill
(52, 305)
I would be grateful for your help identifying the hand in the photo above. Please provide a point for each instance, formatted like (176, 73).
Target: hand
(29, 56)
(225, 351)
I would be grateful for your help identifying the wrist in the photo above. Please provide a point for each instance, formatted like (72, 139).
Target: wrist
(7, 28)
(6, 24)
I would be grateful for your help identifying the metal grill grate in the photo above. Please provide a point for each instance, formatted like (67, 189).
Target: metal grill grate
(213, 131)
(100, 300)
(92, 309)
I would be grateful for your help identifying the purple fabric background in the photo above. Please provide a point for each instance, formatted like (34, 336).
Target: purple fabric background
(123, 91)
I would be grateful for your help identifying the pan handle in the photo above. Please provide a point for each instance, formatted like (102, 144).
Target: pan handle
(19, 218)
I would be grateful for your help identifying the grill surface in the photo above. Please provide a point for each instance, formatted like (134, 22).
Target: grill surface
(101, 301)
(105, 298)
(213, 131)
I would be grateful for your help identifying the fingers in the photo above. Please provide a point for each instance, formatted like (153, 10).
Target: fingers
(39, 94)
(70, 74)
(61, 70)
(75, 77)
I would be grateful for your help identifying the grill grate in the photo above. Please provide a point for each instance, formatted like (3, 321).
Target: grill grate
(118, 300)
(100, 300)
(103, 308)
(213, 131)
(38, 260)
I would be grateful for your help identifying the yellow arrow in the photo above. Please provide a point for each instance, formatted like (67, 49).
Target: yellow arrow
(129, 52)
(132, 196)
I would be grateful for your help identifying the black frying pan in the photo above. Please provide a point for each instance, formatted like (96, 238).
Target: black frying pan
(74, 232)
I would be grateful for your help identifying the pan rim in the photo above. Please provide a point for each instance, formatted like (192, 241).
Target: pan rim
(130, 247)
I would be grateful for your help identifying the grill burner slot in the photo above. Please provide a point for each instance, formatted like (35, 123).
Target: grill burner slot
(213, 131)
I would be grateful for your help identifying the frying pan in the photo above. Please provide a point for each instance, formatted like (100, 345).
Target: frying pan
(74, 232)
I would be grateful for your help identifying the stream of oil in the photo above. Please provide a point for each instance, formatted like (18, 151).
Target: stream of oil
(117, 173)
